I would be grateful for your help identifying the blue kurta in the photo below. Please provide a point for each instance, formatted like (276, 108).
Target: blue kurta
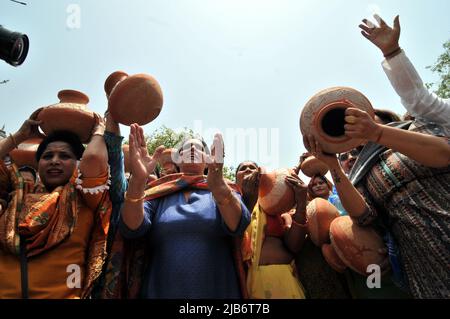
(190, 247)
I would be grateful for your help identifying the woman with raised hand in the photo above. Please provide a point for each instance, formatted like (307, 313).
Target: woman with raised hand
(415, 97)
(188, 220)
(53, 234)
(401, 183)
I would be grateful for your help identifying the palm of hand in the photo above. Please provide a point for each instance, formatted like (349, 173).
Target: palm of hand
(142, 165)
(385, 38)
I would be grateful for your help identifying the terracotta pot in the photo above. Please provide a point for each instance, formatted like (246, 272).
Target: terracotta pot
(320, 214)
(312, 166)
(274, 195)
(324, 117)
(133, 99)
(126, 156)
(358, 247)
(25, 154)
(69, 114)
(332, 258)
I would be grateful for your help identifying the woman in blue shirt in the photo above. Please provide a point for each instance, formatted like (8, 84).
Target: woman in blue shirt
(188, 220)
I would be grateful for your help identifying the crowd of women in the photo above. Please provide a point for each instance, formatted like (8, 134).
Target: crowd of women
(83, 230)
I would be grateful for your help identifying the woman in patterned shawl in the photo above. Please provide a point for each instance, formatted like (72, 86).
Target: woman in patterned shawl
(401, 181)
(53, 234)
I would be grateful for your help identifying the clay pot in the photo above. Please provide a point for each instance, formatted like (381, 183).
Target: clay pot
(323, 116)
(25, 154)
(332, 258)
(274, 195)
(358, 247)
(69, 114)
(133, 99)
(312, 166)
(126, 156)
(320, 214)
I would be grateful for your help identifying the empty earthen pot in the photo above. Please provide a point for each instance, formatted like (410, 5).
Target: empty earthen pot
(332, 258)
(312, 166)
(320, 214)
(25, 153)
(358, 247)
(323, 116)
(274, 195)
(70, 114)
(133, 99)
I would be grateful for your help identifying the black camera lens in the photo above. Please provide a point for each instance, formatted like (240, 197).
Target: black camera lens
(13, 46)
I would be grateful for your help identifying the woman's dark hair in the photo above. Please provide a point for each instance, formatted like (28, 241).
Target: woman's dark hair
(386, 116)
(239, 166)
(62, 136)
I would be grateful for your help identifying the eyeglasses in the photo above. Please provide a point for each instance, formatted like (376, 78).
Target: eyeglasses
(354, 152)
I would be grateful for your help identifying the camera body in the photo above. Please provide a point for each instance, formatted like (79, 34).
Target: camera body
(13, 46)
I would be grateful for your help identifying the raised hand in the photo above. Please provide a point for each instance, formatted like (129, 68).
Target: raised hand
(383, 36)
(299, 188)
(314, 147)
(361, 125)
(29, 128)
(99, 126)
(141, 163)
(215, 162)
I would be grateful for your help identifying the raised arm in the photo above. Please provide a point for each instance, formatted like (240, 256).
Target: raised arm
(28, 130)
(415, 97)
(229, 205)
(426, 149)
(351, 199)
(113, 141)
(295, 236)
(95, 158)
(142, 164)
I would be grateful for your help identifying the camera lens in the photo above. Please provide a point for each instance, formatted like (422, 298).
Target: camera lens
(13, 46)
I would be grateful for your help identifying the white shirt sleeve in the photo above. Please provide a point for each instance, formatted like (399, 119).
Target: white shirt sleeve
(415, 97)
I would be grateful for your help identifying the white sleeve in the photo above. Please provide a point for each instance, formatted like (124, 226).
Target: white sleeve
(415, 97)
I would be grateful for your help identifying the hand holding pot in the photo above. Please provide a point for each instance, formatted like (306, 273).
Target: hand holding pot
(361, 125)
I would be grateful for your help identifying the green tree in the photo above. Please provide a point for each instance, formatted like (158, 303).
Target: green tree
(442, 68)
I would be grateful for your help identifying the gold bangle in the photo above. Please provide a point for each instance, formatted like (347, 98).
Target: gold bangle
(14, 141)
(133, 200)
(227, 199)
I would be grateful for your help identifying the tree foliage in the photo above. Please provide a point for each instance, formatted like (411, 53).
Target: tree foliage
(442, 68)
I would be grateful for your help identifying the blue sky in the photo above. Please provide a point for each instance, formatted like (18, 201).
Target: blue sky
(231, 65)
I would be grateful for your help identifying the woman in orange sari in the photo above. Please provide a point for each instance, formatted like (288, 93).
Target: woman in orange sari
(53, 234)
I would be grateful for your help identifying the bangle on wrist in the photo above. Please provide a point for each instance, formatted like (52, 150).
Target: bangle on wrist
(393, 53)
(133, 200)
